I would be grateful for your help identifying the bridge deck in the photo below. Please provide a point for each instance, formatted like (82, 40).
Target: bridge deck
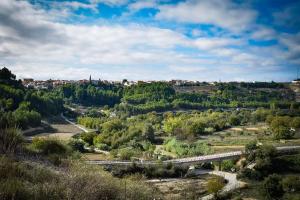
(190, 160)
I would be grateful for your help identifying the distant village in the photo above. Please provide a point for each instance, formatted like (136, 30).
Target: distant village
(48, 84)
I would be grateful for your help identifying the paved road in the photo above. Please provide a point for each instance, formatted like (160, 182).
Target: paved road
(232, 183)
(73, 123)
(190, 160)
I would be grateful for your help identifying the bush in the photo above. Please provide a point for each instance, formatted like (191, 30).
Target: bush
(250, 174)
(11, 140)
(88, 137)
(49, 146)
(13, 189)
(291, 184)
(126, 153)
(228, 165)
(157, 171)
(26, 180)
(215, 184)
(77, 145)
(102, 146)
(272, 187)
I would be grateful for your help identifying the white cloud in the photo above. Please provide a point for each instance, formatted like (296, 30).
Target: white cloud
(34, 43)
(263, 33)
(213, 43)
(188, 69)
(222, 13)
(110, 2)
(138, 5)
(292, 43)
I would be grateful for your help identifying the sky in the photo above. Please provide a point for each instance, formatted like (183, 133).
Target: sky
(204, 40)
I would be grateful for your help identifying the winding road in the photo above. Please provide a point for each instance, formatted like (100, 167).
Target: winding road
(232, 183)
(74, 124)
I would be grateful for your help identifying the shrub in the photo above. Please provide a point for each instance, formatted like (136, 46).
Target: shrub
(102, 146)
(77, 145)
(250, 174)
(13, 189)
(158, 171)
(49, 146)
(228, 165)
(272, 187)
(126, 153)
(88, 137)
(26, 180)
(291, 184)
(11, 140)
(215, 184)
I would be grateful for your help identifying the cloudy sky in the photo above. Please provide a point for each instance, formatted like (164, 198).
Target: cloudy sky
(206, 40)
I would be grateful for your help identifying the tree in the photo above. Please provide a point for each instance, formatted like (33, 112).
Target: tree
(88, 137)
(296, 122)
(250, 150)
(196, 127)
(5, 74)
(272, 187)
(281, 127)
(282, 132)
(171, 124)
(234, 120)
(148, 133)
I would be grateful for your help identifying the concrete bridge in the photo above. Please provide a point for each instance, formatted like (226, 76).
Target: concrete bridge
(190, 160)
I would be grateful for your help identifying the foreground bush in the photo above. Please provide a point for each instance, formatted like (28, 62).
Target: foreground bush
(48, 146)
(25, 180)
(11, 140)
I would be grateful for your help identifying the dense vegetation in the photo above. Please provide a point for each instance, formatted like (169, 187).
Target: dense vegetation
(89, 94)
(50, 169)
(151, 121)
(25, 180)
(162, 96)
(272, 172)
(180, 133)
(24, 107)
(160, 171)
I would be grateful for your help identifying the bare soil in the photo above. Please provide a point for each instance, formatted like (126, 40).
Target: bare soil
(54, 126)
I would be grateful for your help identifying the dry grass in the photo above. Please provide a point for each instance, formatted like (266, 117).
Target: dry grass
(95, 156)
(182, 188)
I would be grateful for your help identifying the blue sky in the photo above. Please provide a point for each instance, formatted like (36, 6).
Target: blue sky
(205, 40)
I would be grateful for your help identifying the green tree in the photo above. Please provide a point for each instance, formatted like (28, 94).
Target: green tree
(88, 137)
(148, 133)
(272, 187)
(5, 74)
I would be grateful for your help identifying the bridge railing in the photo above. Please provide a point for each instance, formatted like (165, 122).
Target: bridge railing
(196, 159)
